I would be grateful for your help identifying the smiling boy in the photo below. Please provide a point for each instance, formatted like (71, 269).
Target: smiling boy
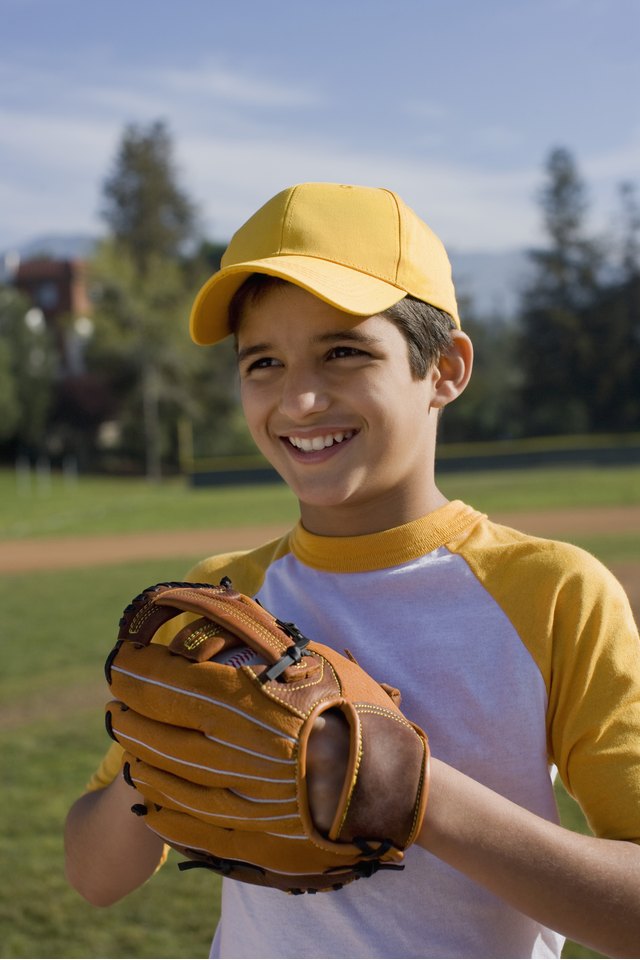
(330, 404)
(514, 654)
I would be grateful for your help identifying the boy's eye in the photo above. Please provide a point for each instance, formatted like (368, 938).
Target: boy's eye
(338, 353)
(262, 363)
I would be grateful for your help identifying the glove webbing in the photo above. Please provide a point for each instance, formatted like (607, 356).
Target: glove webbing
(365, 868)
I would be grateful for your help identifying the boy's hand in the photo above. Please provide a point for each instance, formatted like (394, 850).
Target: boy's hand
(267, 767)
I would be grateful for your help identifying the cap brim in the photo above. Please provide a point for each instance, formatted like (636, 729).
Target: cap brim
(340, 286)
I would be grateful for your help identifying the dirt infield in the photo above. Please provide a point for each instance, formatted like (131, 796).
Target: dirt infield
(18, 556)
(21, 556)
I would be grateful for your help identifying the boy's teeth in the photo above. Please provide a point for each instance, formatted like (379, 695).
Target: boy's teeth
(307, 444)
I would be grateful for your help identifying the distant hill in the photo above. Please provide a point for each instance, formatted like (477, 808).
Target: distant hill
(490, 280)
(58, 245)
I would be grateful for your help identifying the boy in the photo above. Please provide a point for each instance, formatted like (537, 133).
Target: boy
(511, 652)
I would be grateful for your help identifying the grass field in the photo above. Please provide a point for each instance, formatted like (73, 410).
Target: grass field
(57, 628)
(59, 507)
(47, 756)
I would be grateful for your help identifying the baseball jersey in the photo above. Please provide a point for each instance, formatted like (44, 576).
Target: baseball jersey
(516, 655)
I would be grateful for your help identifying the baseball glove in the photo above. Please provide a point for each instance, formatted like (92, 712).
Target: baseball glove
(218, 750)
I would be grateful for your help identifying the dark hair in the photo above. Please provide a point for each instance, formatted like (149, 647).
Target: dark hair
(251, 292)
(426, 329)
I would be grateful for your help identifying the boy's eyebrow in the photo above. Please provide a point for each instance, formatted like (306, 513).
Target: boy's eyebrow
(252, 351)
(355, 336)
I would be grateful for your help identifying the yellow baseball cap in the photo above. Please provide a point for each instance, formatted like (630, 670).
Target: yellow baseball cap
(360, 249)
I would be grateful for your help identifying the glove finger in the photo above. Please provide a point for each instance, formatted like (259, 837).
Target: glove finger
(215, 762)
(233, 611)
(213, 805)
(203, 696)
(287, 853)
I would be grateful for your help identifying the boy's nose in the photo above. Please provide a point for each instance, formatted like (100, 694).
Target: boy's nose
(302, 396)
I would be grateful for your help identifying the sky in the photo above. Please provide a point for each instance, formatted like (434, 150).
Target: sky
(454, 104)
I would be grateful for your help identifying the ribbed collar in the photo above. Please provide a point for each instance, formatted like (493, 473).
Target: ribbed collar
(388, 548)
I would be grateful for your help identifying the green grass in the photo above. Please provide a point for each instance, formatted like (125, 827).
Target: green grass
(612, 548)
(544, 488)
(58, 626)
(97, 505)
(57, 629)
(40, 916)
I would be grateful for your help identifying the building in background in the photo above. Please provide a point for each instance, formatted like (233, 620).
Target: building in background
(58, 287)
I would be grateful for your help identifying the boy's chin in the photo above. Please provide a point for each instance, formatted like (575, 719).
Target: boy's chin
(332, 494)
(333, 515)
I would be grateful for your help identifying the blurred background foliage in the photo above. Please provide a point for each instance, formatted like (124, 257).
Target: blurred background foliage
(123, 389)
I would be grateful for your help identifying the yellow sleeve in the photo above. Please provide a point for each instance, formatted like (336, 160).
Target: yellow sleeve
(576, 621)
(108, 769)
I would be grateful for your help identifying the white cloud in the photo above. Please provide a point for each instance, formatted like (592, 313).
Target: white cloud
(46, 142)
(469, 208)
(36, 209)
(239, 138)
(617, 163)
(52, 172)
(59, 164)
(219, 82)
(222, 95)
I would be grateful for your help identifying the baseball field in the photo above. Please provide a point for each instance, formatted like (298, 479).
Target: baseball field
(72, 555)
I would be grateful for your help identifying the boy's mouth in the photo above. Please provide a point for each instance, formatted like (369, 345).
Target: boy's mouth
(314, 444)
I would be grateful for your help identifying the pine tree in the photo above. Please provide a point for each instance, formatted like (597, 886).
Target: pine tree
(141, 280)
(558, 342)
(616, 399)
(148, 214)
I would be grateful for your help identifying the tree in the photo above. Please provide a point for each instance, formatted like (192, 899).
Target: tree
(9, 403)
(486, 409)
(630, 239)
(27, 371)
(616, 399)
(156, 377)
(558, 349)
(580, 324)
(144, 279)
(140, 276)
(146, 211)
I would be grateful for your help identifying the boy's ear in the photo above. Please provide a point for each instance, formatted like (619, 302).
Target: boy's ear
(452, 371)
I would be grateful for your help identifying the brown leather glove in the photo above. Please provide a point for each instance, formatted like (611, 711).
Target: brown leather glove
(218, 750)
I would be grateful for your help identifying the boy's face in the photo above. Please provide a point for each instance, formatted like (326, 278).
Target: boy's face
(331, 403)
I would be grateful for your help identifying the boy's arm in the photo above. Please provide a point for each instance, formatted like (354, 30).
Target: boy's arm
(586, 888)
(109, 852)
